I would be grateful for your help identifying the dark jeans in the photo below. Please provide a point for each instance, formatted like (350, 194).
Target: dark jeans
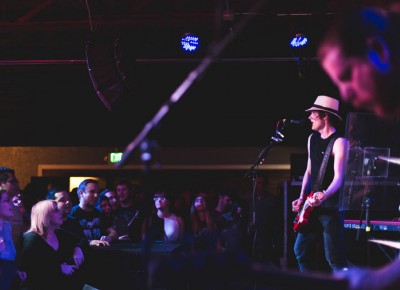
(330, 224)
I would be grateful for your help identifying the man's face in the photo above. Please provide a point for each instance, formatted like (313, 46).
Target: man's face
(90, 195)
(317, 120)
(63, 202)
(359, 82)
(11, 185)
(123, 192)
(226, 201)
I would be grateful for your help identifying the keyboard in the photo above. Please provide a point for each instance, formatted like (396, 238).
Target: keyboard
(376, 225)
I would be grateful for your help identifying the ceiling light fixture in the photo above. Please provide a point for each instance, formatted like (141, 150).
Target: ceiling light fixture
(190, 42)
(300, 40)
(299, 48)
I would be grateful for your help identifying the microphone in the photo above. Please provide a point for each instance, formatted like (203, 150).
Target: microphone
(287, 122)
(283, 124)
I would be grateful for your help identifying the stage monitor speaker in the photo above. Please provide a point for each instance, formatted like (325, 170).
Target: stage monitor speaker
(108, 65)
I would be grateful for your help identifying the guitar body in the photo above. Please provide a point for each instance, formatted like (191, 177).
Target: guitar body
(302, 218)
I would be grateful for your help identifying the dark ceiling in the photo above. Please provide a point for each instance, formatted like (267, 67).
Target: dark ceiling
(94, 73)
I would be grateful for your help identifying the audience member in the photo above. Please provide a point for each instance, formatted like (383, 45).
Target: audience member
(113, 198)
(267, 224)
(164, 225)
(50, 256)
(64, 204)
(182, 209)
(222, 210)
(233, 233)
(203, 226)
(129, 218)
(94, 224)
(10, 183)
(104, 206)
(8, 267)
(360, 53)
(61, 196)
(74, 196)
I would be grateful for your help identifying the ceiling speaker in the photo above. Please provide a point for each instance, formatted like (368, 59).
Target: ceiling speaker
(107, 66)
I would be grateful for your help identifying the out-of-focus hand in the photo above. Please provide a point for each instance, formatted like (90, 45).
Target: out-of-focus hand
(67, 269)
(361, 279)
(99, 243)
(78, 256)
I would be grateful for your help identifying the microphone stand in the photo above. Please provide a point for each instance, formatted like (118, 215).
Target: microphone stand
(365, 207)
(214, 50)
(252, 172)
(261, 156)
(367, 204)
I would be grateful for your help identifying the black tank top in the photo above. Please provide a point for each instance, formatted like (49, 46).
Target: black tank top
(318, 146)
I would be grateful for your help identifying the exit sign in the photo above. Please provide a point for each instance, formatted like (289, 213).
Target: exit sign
(115, 157)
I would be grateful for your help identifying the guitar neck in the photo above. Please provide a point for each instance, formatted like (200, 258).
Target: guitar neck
(305, 206)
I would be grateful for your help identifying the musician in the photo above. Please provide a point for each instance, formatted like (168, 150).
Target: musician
(360, 53)
(321, 198)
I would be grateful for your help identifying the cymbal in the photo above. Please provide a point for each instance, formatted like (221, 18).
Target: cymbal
(392, 244)
(395, 160)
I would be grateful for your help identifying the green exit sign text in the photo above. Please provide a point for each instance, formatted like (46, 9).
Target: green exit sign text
(115, 157)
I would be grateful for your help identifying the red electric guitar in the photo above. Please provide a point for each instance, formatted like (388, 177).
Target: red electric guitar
(303, 215)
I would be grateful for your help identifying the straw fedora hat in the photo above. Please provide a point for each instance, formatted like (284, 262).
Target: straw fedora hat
(327, 104)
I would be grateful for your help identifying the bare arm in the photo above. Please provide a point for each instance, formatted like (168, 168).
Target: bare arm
(105, 240)
(340, 153)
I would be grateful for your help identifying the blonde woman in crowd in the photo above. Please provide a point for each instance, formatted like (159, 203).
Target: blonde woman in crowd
(50, 255)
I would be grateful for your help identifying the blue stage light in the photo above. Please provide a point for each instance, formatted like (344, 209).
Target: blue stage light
(190, 42)
(298, 41)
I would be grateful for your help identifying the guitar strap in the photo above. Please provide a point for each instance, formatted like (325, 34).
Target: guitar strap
(321, 173)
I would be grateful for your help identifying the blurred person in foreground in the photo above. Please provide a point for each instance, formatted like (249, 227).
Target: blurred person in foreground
(360, 52)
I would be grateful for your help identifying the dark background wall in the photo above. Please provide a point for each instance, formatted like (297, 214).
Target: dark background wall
(235, 103)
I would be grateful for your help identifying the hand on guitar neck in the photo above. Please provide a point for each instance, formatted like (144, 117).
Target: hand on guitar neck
(303, 214)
